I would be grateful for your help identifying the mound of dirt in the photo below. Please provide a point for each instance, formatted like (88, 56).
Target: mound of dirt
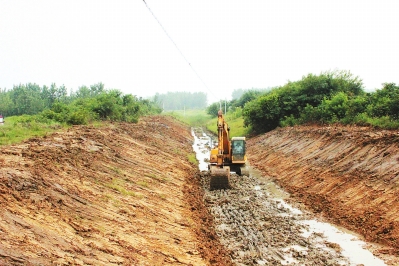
(120, 194)
(350, 175)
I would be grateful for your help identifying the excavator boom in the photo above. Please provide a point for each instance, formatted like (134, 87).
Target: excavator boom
(220, 174)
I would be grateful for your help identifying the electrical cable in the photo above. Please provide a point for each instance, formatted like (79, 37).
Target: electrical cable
(178, 49)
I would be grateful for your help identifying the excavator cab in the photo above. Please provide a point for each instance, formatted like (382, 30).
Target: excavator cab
(238, 156)
(238, 149)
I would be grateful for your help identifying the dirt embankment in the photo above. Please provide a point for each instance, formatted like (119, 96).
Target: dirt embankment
(349, 175)
(122, 194)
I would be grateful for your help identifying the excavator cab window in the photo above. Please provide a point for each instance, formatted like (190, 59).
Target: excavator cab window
(238, 147)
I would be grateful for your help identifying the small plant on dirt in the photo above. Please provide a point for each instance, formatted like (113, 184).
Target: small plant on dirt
(153, 176)
(117, 170)
(176, 151)
(142, 183)
(106, 197)
(100, 228)
(118, 185)
(192, 158)
(116, 203)
(129, 193)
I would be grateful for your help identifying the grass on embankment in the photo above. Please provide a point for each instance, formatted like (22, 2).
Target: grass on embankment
(236, 125)
(19, 128)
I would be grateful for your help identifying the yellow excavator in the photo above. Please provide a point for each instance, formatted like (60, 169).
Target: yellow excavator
(228, 155)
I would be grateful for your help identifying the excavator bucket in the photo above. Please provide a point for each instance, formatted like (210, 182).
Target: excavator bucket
(220, 177)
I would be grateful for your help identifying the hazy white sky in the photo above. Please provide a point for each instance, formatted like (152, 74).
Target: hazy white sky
(231, 44)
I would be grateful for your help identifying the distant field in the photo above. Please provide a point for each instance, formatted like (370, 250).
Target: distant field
(201, 118)
(191, 117)
(236, 125)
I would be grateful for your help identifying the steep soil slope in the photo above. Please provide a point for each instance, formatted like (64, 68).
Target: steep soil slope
(122, 194)
(349, 175)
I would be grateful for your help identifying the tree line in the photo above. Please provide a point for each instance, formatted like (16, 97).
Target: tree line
(328, 98)
(181, 100)
(85, 105)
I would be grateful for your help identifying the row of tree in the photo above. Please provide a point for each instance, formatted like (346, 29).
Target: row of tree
(239, 98)
(331, 97)
(80, 107)
(181, 100)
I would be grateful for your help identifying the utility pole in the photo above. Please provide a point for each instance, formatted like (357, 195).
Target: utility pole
(225, 111)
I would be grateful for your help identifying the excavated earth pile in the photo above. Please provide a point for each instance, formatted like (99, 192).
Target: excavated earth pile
(349, 175)
(120, 194)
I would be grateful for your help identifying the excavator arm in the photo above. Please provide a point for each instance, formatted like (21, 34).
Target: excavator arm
(223, 139)
(220, 173)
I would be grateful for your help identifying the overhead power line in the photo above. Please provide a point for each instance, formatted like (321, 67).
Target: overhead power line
(178, 49)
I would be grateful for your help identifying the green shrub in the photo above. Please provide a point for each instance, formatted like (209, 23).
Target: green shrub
(263, 113)
(79, 117)
(289, 121)
(213, 109)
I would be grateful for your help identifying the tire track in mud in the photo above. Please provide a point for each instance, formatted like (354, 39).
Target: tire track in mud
(258, 229)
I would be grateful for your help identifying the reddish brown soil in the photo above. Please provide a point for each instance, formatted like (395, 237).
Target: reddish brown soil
(121, 194)
(350, 175)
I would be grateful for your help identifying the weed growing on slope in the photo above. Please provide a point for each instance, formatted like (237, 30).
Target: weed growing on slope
(118, 185)
(192, 159)
(142, 183)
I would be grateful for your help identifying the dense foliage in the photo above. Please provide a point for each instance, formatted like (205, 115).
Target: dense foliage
(80, 107)
(237, 93)
(331, 97)
(247, 96)
(181, 100)
(213, 109)
(236, 103)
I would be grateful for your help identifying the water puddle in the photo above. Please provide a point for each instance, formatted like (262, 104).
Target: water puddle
(201, 148)
(281, 203)
(351, 246)
(270, 187)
